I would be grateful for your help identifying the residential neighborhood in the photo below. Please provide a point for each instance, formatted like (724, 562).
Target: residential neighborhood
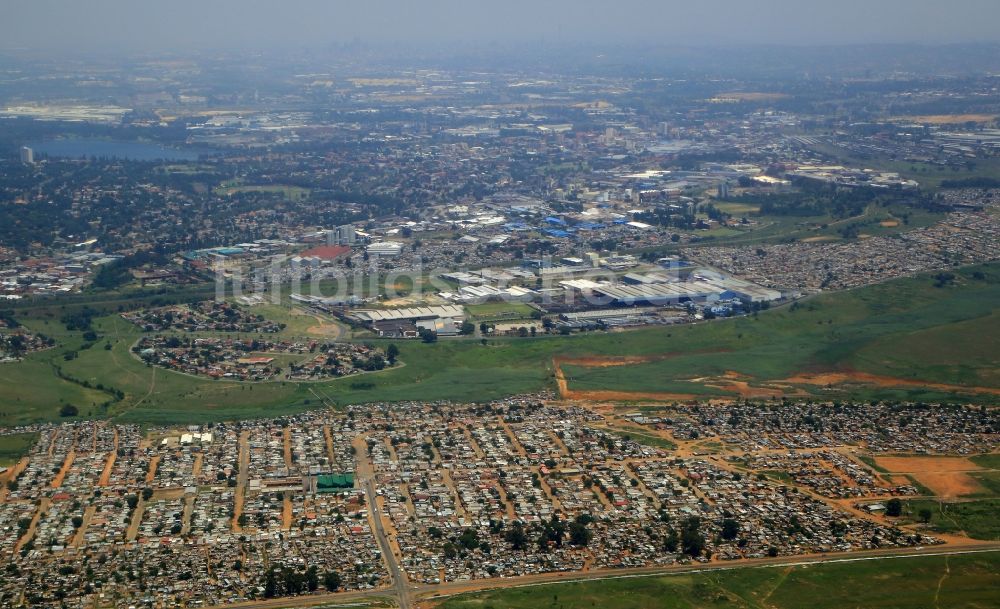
(127, 516)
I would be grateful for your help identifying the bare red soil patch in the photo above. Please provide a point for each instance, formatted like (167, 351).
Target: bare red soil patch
(612, 396)
(947, 476)
(836, 378)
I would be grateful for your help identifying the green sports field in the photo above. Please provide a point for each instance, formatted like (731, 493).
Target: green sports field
(961, 581)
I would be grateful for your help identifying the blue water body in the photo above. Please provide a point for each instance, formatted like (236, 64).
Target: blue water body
(131, 151)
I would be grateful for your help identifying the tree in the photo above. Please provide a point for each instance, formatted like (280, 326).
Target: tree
(671, 542)
(270, 584)
(391, 353)
(428, 336)
(312, 579)
(692, 542)
(467, 327)
(515, 536)
(925, 515)
(579, 534)
(331, 581)
(469, 539)
(730, 529)
(894, 507)
(69, 410)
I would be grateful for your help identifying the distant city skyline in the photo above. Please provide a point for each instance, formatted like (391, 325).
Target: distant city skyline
(123, 25)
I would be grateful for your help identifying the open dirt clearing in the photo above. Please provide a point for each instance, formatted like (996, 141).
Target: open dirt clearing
(610, 396)
(837, 378)
(946, 476)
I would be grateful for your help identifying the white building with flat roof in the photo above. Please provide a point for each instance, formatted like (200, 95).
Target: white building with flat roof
(385, 249)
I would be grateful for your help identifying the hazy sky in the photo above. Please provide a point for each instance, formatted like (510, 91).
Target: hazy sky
(147, 25)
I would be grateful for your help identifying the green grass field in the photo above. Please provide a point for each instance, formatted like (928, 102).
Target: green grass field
(490, 311)
(292, 193)
(15, 446)
(738, 209)
(32, 391)
(782, 229)
(990, 480)
(977, 518)
(298, 323)
(961, 581)
(976, 515)
(851, 330)
(858, 330)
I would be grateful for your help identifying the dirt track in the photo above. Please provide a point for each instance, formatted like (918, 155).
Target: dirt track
(603, 395)
(735, 383)
(837, 378)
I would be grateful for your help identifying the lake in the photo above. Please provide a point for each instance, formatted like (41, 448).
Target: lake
(131, 151)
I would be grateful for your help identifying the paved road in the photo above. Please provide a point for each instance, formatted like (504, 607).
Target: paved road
(365, 472)
(455, 588)
(395, 571)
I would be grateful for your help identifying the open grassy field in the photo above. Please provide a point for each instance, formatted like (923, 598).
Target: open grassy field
(965, 352)
(738, 209)
(32, 391)
(15, 446)
(928, 175)
(965, 581)
(875, 220)
(974, 512)
(977, 518)
(851, 331)
(292, 193)
(490, 311)
(989, 478)
(946, 119)
(300, 323)
(787, 349)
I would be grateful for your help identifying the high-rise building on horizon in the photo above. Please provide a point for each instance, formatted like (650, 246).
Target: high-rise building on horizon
(27, 155)
(342, 235)
(723, 192)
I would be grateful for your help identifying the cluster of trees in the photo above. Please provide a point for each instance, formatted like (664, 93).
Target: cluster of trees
(690, 540)
(553, 532)
(118, 273)
(980, 182)
(662, 216)
(373, 363)
(285, 581)
(79, 320)
(7, 319)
